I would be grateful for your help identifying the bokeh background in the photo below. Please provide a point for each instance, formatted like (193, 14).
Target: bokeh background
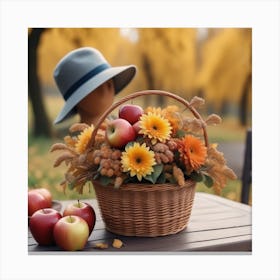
(214, 63)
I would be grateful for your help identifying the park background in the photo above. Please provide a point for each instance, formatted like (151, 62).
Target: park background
(214, 63)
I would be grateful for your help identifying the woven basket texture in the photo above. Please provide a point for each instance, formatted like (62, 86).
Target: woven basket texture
(145, 210)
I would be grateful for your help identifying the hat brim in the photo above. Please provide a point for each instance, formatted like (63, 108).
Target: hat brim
(121, 75)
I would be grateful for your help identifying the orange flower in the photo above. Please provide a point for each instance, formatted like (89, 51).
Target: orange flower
(193, 152)
(172, 114)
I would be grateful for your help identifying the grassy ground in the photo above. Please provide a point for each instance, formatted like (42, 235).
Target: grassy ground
(41, 172)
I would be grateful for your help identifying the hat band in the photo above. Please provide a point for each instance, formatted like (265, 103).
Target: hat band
(85, 78)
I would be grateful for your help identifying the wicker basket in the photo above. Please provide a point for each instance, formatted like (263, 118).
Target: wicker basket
(145, 209)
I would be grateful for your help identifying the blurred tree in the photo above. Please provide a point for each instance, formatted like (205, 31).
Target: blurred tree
(225, 75)
(169, 59)
(57, 42)
(41, 126)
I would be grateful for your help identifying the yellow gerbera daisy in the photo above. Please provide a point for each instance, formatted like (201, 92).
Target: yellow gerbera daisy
(83, 139)
(138, 160)
(155, 127)
(171, 113)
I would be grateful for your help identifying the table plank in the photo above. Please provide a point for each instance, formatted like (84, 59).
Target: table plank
(216, 224)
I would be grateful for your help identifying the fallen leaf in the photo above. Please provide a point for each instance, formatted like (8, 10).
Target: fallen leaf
(101, 245)
(117, 243)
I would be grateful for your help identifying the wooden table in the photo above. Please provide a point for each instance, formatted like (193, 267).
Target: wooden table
(216, 225)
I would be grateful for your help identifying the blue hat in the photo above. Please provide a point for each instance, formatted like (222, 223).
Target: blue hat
(83, 70)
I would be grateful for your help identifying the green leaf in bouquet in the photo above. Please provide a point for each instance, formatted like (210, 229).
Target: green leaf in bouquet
(127, 180)
(104, 180)
(196, 176)
(161, 179)
(208, 181)
(176, 156)
(149, 178)
(154, 176)
(171, 180)
(129, 144)
(180, 133)
(139, 139)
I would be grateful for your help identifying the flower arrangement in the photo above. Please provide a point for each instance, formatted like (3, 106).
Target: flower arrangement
(165, 147)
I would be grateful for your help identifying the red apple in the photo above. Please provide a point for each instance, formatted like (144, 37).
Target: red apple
(45, 193)
(71, 233)
(83, 210)
(42, 223)
(119, 132)
(136, 127)
(131, 113)
(37, 201)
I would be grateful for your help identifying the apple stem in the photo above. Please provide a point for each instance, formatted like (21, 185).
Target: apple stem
(79, 203)
(44, 210)
(70, 218)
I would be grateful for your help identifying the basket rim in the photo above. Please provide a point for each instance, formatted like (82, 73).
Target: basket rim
(144, 93)
(147, 187)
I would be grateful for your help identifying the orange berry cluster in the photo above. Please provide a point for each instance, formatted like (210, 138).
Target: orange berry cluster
(163, 154)
(109, 161)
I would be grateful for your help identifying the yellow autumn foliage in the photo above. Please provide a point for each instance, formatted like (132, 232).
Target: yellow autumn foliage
(226, 65)
(173, 56)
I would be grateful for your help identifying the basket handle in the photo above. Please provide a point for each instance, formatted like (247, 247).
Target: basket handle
(143, 93)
